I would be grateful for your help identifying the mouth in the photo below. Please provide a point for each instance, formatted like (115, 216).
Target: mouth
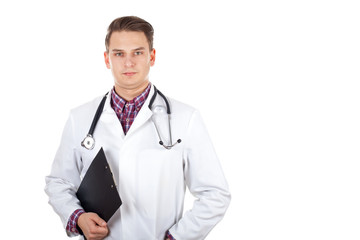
(129, 74)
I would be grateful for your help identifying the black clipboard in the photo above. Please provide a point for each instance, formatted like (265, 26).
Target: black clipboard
(97, 192)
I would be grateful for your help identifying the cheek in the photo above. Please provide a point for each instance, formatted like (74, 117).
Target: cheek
(115, 64)
(147, 62)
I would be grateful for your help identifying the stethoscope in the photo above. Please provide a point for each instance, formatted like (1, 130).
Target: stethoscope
(89, 141)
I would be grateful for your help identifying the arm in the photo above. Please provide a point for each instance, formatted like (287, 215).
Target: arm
(61, 187)
(64, 179)
(206, 181)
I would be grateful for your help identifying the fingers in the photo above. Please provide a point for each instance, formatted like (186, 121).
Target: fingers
(99, 221)
(97, 233)
(98, 228)
(93, 227)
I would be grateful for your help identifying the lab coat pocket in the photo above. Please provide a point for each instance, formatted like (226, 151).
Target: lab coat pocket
(159, 176)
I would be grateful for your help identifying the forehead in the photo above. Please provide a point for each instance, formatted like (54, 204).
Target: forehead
(128, 40)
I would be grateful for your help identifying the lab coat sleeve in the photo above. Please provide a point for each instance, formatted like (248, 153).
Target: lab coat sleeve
(205, 180)
(64, 179)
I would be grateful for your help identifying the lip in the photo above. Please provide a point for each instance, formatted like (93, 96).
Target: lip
(129, 74)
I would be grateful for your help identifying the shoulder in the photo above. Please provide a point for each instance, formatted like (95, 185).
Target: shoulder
(180, 107)
(182, 113)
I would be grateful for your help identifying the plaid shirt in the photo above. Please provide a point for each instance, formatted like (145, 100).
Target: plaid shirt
(126, 112)
(71, 224)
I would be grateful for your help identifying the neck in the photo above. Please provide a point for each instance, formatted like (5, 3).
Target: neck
(130, 93)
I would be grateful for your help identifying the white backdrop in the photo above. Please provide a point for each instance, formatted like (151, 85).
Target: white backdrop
(277, 83)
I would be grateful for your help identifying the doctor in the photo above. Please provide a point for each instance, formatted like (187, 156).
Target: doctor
(151, 178)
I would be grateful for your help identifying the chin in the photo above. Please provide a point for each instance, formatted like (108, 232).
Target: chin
(129, 84)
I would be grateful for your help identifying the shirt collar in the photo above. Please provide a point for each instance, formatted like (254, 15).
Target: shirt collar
(118, 103)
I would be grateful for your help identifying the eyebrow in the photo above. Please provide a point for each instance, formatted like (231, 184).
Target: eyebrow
(121, 50)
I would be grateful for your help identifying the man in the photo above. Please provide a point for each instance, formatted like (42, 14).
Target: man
(151, 178)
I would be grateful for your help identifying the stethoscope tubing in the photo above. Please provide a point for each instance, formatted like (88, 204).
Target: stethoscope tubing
(89, 140)
(97, 115)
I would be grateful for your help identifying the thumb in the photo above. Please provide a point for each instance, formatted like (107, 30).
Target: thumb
(98, 220)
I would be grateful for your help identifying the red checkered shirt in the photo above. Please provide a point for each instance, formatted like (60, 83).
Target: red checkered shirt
(126, 112)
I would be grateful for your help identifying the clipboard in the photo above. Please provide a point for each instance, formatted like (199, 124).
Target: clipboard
(97, 192)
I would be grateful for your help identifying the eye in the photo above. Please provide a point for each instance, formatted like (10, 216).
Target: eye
(118, 54)
(138, 53)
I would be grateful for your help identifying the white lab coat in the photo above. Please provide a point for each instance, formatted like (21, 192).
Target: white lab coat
(151, 180)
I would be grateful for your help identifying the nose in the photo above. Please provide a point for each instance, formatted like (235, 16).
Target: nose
(129, 62)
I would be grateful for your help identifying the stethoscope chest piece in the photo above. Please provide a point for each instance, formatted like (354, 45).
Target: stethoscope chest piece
(88, 142)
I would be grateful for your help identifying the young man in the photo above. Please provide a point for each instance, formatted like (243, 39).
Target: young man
(151, 177)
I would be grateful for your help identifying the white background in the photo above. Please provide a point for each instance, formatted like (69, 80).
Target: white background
(277, 83)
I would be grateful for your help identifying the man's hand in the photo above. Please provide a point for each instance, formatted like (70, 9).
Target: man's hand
(93, 227)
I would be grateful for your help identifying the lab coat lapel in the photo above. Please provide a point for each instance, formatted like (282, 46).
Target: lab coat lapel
(144, 115)
(110, 118)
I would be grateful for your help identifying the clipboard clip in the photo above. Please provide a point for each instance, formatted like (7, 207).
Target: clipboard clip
(107, 167)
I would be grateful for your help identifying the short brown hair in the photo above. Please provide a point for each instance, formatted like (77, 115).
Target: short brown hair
(130, 23)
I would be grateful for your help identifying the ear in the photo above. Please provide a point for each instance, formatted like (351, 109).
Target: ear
(107, 60)
(152, 57)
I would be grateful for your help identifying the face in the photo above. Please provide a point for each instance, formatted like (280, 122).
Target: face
(129, 59)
